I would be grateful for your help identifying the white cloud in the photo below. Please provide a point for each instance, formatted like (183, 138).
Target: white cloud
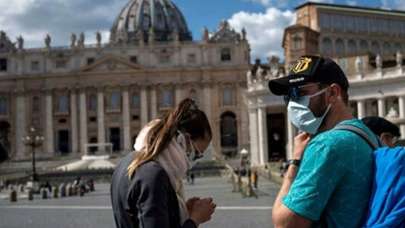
(393, 4)
(264, 30)
(351, 3)
(35, 18)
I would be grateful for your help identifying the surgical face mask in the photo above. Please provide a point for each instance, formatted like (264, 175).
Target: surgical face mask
(190, 150)
(302, 117)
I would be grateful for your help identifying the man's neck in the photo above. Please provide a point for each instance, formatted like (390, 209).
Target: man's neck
(334, 117)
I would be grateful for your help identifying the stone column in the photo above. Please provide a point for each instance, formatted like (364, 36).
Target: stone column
(83, 122)
(263, 146)
(401, 103)
(73, 120)
(153, 103)
(144, 106)
(361, 109)
(49, 133)
(126, 120)
(381, 107)
(20, 124)
(253, 137)
(100, 119)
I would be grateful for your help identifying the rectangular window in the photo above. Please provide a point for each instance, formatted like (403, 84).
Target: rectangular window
(226, 55)
(133, 59)
(90, 61)
(35, 65)
(115, 101)
(167, 99)
(3, 65)
(93, 103)
(63, 104)
(191, 58)
(227, 98)
(3, 105)
(60, 64)
(136, 101)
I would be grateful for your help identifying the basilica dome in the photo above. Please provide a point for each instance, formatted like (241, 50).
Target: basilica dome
(149, 20)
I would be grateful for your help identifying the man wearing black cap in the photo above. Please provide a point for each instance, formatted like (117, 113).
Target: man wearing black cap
(384, 129)
(328, 181)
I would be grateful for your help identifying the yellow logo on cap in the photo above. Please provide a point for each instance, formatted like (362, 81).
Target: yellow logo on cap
(302, 65)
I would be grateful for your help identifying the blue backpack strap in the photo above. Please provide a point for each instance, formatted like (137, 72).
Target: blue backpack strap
(360, 132)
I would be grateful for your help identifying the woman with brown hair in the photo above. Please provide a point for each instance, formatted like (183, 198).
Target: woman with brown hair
(147, 188)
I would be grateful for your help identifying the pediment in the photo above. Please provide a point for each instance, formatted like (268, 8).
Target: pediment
(110, 63)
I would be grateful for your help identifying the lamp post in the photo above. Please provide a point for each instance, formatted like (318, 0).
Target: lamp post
(34, 140)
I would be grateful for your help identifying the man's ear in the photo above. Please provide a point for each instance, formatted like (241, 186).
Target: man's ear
(335, 92)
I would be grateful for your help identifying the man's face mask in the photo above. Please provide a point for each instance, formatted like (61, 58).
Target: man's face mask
(300, 115)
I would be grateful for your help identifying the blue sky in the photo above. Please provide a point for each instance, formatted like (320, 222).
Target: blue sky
(264, 20)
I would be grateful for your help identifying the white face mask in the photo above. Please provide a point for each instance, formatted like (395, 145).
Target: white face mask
(192, 155)
(302, 117)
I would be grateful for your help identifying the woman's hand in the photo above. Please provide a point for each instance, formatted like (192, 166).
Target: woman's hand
(300, 142)
(190, 202)
(201, 210)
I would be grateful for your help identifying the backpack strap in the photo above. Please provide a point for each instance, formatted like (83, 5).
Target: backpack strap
(360, 132)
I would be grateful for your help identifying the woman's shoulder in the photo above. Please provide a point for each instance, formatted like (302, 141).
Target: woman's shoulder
(151, 171)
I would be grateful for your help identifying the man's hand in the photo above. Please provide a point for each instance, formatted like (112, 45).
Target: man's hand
(300, 142)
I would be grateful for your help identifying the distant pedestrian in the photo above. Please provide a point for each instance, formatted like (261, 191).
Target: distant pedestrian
(255, 178)
(192, 177)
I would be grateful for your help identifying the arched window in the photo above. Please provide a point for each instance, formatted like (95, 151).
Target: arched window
(364, 46)
(229, 132)
(387, 49)
(326, 47)
(397, 47)
(375, 48)
(352, 47)
(340, 47)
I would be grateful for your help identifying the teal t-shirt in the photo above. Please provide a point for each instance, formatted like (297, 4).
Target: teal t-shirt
(333, 183)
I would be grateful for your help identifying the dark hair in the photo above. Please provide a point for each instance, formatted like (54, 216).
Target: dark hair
(379, 125)
(186, 118)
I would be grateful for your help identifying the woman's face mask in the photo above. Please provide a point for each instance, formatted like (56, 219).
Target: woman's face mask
(191, 150)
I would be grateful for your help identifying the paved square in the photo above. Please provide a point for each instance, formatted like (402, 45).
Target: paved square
(94, 209)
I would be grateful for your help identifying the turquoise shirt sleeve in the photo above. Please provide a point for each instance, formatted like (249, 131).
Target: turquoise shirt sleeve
(317, 178)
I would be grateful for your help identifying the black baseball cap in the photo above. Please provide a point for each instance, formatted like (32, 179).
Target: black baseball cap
(310, 69)
(379, 125)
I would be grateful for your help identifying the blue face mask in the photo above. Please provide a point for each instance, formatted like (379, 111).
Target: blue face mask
(302, 117)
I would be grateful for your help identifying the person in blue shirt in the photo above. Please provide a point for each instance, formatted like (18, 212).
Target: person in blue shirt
(328, 182)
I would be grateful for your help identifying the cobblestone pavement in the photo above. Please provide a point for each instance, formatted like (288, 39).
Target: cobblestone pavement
(94, 209)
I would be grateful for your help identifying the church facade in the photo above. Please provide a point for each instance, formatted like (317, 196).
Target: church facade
(104, 93)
